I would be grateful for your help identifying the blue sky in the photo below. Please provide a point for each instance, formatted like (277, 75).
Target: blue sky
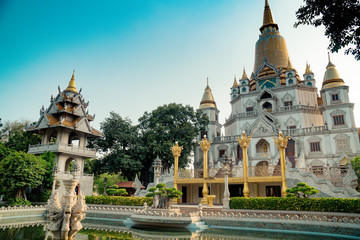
(133, 56)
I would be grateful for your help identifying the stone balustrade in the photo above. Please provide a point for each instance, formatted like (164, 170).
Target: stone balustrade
(62, 147)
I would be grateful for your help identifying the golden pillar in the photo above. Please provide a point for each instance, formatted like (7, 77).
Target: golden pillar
(244, 142)
(176, 151)
(281, 143)
(205, 146)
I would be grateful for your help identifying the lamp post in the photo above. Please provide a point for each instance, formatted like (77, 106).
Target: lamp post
(244, 142)
(281, 143)
(226, 162)
(205, 146)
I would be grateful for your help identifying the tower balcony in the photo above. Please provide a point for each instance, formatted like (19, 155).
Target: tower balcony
(62, 148)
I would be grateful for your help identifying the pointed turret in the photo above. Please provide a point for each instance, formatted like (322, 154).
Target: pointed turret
(307, 70)
(331, 77)
(244, 76)
(235, 84)
(207, 100)
(71, 86)
(289, 66)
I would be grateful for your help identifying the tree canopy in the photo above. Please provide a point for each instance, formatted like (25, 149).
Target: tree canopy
(131, 149)
(119, 146)
(341, 19)
(19, 170)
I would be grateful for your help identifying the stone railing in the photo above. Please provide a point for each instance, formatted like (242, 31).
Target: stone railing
(61, 147)
(297, 107)
(69, 175)
(22, 207)
(333, 174)
(301, 131)
(286, 215)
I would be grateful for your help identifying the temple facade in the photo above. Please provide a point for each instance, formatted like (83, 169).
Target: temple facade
(65, 128)
(321, 126)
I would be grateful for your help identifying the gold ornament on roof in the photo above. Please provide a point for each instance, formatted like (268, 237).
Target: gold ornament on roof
(307, 70)
(235, 84)
(244, 76)
(71, 86)
(176, 150)
(281, 141)
(244, 141)
(205, 144)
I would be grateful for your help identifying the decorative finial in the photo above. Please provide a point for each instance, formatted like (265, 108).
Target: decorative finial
(244, 76)
(71, 86)
(235, 84)
(329, 56)
(207, 81)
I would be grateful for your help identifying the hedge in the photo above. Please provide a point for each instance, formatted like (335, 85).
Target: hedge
(349, 205)
(117, 200)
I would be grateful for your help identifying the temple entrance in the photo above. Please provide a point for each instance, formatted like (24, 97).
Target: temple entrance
(184, 196)
(236, 190)
(273, 191)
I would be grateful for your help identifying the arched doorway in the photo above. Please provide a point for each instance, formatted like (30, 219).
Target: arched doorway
(52, 137)
(69, 164)
(261, 169)
(267, 106)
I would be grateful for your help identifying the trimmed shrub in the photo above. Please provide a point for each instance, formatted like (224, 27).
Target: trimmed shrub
(117, 200)
(349, 205)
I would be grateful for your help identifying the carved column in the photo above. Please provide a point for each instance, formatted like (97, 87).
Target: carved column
(157, 170)
(205, 146)
(244, 142)
(176, 151)
(226, 200)
(281, 143)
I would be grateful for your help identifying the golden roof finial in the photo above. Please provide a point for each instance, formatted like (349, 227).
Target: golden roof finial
(207, 99)
(71, 86)
(289, 66)
(307, 70)
(244, 76)
(267, 18)
(332, 76)
(235, 84)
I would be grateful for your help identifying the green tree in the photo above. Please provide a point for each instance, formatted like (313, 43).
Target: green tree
(301, 190)
(119, 146)
(15, 137)
(111, 179)
(116, 191)
(42, 192)
(341, 19)
(20, 170)
(164, 194)
(161, 128)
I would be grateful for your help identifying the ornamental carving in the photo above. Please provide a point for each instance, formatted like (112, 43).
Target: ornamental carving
(281, 141)
(205, 144)
(176, 150)
(244, 141)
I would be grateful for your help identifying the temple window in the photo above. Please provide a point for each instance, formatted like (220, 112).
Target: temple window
(288, 103)
(309, 84)
(249, 109)
(308, 78)
(244, 89)
(335, 97)
(290, 75)
(243, 83)
(267, 106)
(221, 153)
(315, 147)
(291, 81)
(338, 120)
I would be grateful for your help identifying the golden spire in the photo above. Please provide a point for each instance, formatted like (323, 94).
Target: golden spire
(235, 84)
(267, 18)
(271, 45)
(71, 86)
(289, 66)
(207, 99)
(307, 70)
(332, 76)
(244, 76)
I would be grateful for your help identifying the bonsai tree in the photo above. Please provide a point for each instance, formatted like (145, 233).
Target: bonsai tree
(163, 195)
(301, 190)
(116, 191)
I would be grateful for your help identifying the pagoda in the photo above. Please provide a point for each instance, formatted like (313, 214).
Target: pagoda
(65, 128)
